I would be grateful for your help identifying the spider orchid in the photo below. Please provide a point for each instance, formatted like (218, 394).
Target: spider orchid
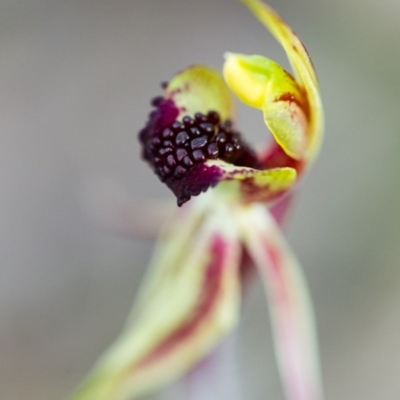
(191, 297)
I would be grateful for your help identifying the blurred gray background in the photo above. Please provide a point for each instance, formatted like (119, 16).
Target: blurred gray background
(76, 78)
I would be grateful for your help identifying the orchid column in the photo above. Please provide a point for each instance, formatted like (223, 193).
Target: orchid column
(191, 297)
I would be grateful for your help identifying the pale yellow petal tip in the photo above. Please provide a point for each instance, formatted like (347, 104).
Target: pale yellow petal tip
(245, 82)
(200, 88)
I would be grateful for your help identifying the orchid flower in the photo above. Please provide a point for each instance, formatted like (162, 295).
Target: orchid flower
(191, 297)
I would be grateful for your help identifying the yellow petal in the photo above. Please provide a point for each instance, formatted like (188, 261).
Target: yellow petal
(248, 76)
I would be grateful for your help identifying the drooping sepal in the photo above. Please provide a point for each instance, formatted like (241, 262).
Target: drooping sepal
(290, 305)
(189, 301)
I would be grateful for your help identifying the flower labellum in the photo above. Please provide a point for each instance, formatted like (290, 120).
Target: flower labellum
(190, 299)
(178, 150)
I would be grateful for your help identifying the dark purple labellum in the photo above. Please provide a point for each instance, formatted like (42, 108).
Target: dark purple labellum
(208, 129)
(188, 161)
(212, 150)
(180, 171)
(177, 150)
(229, 149)
(181, 138)
(187, 121)
(199, 142)
(180, 154)
(167, 134)
(171, 160)
(198, 156)
(195, 131)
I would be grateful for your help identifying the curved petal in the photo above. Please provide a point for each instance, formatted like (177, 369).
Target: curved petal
(264, 84)
(190, 301)
(290, 306)
(302, 66)
(306, 80)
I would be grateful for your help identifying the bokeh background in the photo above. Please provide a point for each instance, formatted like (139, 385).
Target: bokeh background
(76, 78)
